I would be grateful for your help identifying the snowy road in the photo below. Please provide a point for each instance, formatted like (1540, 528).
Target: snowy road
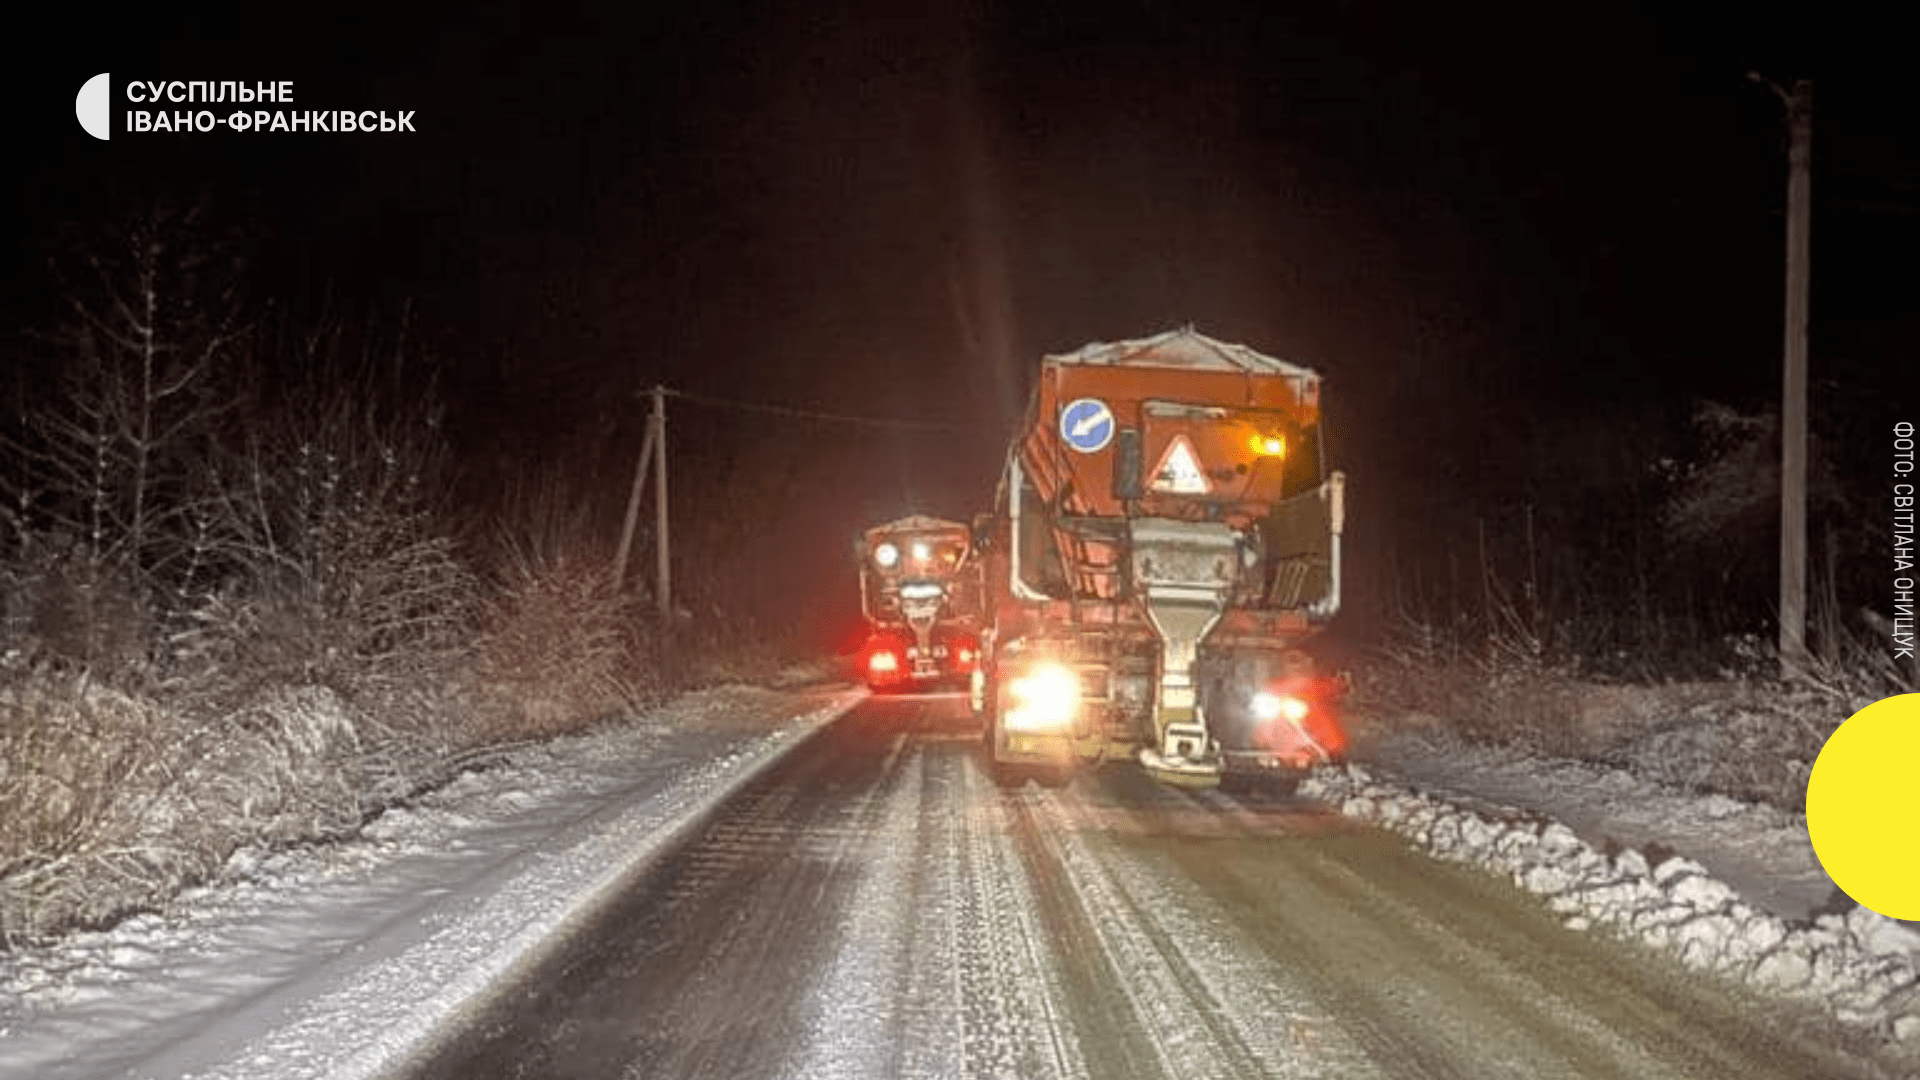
(874, 907)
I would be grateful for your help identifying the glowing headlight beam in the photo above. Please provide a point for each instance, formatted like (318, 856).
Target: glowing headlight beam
(1047, 696)
(1267, 705)
(886, 556)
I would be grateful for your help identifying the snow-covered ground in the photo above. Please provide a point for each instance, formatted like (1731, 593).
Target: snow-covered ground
(1724, 885)
(337, 961)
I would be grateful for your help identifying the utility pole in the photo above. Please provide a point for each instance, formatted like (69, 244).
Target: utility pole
(1793, 404)
(633, 509)
(664, 588)
(653, 449)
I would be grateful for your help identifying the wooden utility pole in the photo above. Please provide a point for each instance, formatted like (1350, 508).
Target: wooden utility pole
(1793, 397)
(1793, 409)
(664, 588)
(633, 508)
(653, 448)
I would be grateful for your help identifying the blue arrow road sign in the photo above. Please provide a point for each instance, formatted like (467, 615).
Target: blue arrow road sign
(1087, 425)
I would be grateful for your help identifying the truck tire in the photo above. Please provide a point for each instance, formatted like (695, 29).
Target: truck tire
(1006, 775)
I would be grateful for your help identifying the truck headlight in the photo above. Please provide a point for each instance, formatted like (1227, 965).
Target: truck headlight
(1044, 698)
(1267, 706)
(885, 556)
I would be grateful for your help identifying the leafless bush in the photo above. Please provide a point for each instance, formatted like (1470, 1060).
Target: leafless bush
(1733, 475)
(1498, 691)
(323, 551)
(1720, 512)
(559, 647)
(234, 611)
(564, 644)
(1716, 718)
(147, 359)
(65, 608)
(112, 802)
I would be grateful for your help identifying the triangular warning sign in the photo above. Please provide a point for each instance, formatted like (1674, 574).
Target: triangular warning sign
(1179, 470)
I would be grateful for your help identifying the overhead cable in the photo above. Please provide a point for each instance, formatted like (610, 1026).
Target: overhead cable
(812, 414)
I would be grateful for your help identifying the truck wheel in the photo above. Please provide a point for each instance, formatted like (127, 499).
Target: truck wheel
(1006, 775)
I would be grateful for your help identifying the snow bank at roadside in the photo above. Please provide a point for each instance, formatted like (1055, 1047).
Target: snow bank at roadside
(342, 960)
(1862, 965)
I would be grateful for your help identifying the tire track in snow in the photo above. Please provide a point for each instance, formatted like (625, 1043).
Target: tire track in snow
(1205, 1002)
(853, 1028)
(1007, 977)
(976, 1003)
(940, 969)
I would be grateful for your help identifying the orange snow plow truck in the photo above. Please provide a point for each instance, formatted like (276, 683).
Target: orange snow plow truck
(1164, 536)
(920, 594)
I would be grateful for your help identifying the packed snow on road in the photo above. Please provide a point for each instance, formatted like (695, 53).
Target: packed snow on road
(342, 960)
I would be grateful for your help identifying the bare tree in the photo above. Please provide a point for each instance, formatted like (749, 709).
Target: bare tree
(148, 351)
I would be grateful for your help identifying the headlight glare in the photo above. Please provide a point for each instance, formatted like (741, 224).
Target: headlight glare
(886, 556)
(1267, 705)
(1045, 697)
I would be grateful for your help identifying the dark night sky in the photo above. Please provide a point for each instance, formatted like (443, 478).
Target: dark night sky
(1477, 224)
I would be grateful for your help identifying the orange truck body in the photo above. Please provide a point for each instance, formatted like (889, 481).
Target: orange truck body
(919, 591)
(1166, 531)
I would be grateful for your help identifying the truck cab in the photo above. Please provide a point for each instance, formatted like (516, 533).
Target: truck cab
(919, 590)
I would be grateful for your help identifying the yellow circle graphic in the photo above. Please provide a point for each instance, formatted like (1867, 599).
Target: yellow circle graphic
(1863, 807)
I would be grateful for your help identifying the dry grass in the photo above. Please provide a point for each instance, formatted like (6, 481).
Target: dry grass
(1747, 734)
(114, 797)
(322, 650)
(1615, 657)
(296, 702)
(111, 802)
(562, 649)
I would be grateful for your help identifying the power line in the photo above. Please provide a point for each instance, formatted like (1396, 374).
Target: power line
(813, 414)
